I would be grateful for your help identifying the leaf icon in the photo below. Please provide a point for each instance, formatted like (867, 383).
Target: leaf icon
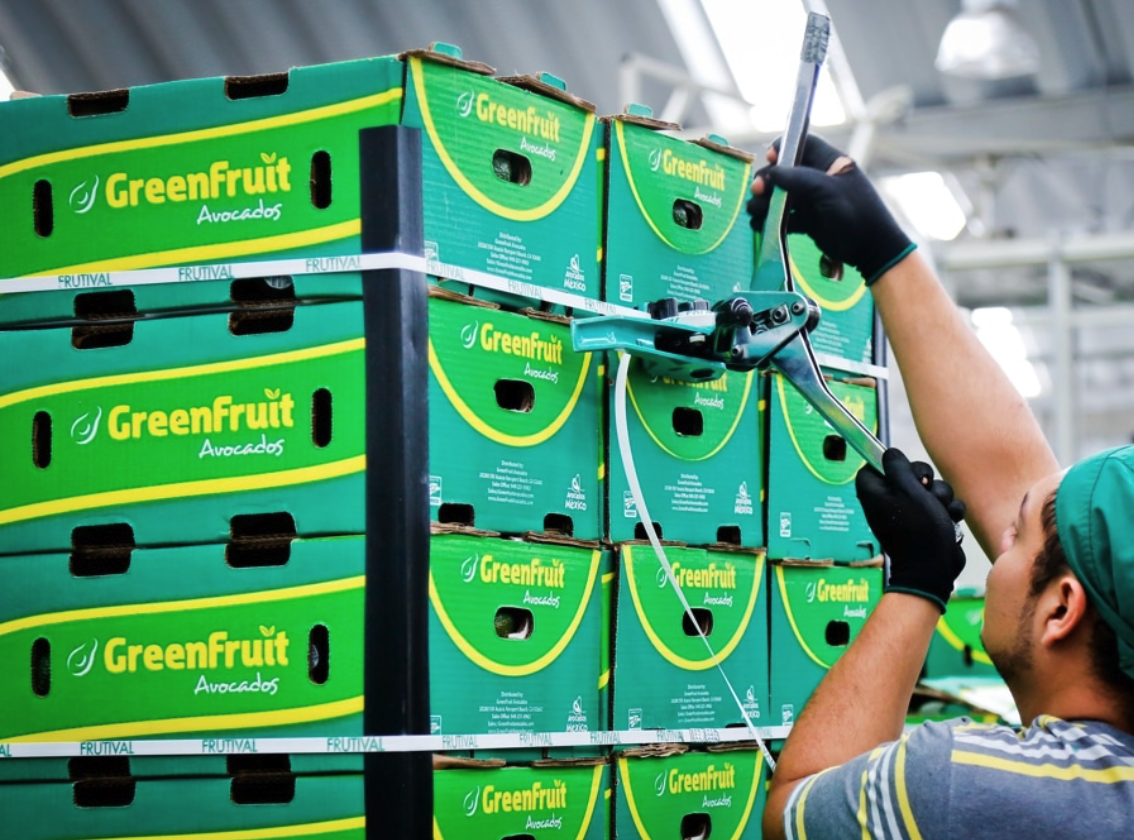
(268, 631)
(272, 393)
(264, 156)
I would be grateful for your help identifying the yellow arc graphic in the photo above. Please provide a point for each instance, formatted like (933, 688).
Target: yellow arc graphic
(791, 620)
(281, 832)
(662, 647)
(833, 305)
(955, 641)
(858, 460)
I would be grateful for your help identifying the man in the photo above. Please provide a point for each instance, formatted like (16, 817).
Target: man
(1059, 610)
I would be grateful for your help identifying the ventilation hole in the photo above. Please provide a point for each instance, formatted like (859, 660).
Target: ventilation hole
(829, 268)
(260, 321)
(101, 549)
(558, 523)
(266, 763)
(696, 827)
(41, 667)
(262, 290)
(260, 539)
(456, 515)
(321, 180)
(688, 422)
(84, 767)
(41, 440)
(98, 336)
(512, 167)
(834, 448)
(318, 654)
(102, 102)
(640, 531)
(98, 306)
(321, 417)
(262, 789)
(104, 793)
(513, 623)
(704, 619)
(43, 208)
(967, 655)
(249, 87)
(514, 395)
(519, 837)
(837, 634)
(687, 214)
(729, 534)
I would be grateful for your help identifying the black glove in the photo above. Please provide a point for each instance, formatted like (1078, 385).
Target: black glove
(913, 516)
(842, 213)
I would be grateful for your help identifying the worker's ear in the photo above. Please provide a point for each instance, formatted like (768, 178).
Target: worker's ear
(1062, 607)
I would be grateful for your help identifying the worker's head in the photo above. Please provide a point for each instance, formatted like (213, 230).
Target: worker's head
(1065, 573)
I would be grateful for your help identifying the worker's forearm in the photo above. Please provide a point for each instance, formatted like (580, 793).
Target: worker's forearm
(977, 428)
(863, 700)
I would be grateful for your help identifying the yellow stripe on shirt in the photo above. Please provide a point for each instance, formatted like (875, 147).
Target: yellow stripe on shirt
(1106, 776)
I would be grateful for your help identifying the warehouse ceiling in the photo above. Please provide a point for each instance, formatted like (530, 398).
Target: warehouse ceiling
(1040, 165)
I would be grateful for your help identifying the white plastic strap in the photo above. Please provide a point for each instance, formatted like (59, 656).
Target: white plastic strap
(647, 523)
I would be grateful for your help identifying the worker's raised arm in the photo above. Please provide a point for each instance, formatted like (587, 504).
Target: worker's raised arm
(976, 427)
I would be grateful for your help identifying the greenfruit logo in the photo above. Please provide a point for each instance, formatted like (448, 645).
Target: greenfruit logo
(84, 429)
(533, 799)
(465, 103)
(707, 780)
(527, 120)
(83, 196)
(469, 567)
(472, 802)
(274, 412)
(529, 346)
(220, 179)
(852, 591)
(469, 335)
(218, 652)
(712, 577)
(82, 659)
(700, 172)
(532, 573)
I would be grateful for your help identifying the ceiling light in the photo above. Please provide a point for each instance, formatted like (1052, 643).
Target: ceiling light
(927, 202)
(987, 41)
(1001, 337)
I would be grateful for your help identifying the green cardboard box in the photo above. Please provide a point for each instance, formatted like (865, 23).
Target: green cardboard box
(956, 648)
(515, 440)
(511, 173)
(817, 611)
(240, 808)
(112, 759)
(664, 678)
(688, 793)
(545, 800)
(184, 428)
(190, 641)
(675, 226)
(201, 171)
(514, 635)
(697, 451)
(813, 512)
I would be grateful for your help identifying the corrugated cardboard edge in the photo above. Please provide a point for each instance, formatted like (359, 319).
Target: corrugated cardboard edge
(457, 297)
(644, 122)
(453, 762)
(875, 562)
(714, 146)
(655, 751)
(795, 561)
(861, 381)
(454, 528)
(732, 548)
(674, 543)
(544, 538)
(571, 762)
(533, 84)
(550, 317)
(442, 58)
(733, 746)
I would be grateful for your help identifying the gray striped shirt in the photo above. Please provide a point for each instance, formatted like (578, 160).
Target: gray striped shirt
(967, 781)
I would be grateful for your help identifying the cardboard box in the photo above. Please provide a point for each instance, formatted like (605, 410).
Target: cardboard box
(817, 611)
(174, 434)
(514, 635)
(510, 168)
(956, 648)
(206, 170)
(697, 451)
(515, 440)
(688, 793)
(664, 678)
(813, 512)
(675, 226)
(547, 800)
(194, 641)
(109, 759)
(280, 806)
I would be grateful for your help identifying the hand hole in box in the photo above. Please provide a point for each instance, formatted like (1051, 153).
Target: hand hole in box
(696, 827)
(831, 269)
(103, 792)
(321, 180)
(729, 534)
(98, 550)
(640, 531)
(99, 102)
(318, 654)
(688, 422)
(514, 395)
(834, 448)
(251, 87)
(262, 789)
(967, 656)
(278, 290)
(558, 524)
(259, 763)
(688, 214)
(41, 667)
(704, 620)
(112, 315)
(456, 514)
(43, 209)
(260, 539)
(513, 623)
(519, 837)
(511, 167)
(83, 767)
(837, 634)
(41, 440)
(321, 424)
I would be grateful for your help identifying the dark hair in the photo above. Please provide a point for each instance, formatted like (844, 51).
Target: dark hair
(1050, 563)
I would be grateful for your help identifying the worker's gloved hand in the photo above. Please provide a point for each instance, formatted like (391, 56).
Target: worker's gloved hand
(914, 518)
(833, 202)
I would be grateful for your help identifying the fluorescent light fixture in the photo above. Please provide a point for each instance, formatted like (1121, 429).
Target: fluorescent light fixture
(5, 86)
(761, 43)
(927, 202)
(997, 332)
(986, 40)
